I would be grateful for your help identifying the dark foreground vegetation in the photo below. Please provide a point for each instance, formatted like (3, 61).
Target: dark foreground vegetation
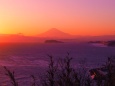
(62, 73)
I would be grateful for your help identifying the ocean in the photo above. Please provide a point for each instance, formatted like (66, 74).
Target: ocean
(27, 59)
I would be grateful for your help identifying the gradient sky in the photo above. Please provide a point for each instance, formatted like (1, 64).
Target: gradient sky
(80, 17)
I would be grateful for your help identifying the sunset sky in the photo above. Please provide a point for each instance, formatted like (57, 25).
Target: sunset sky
(80, 17)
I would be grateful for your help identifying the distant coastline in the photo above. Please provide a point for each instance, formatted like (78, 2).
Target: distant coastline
(53, 41)
(106, 43)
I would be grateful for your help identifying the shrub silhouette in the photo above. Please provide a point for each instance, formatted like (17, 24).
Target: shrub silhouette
(110, 65)
(109, 78)
(11, 76)
(61, 73)
(67, 76)
(34, 83)
(50, 78)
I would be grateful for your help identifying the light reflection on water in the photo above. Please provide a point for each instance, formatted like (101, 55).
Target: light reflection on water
(27, 59)
(99, 45)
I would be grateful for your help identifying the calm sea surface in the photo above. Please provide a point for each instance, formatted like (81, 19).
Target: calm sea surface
(31, 58)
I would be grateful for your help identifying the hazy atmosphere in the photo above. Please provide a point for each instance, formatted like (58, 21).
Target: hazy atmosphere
(78, 17)
(57, 42)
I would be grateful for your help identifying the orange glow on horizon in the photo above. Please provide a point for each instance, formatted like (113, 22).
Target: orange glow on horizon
(73, 17)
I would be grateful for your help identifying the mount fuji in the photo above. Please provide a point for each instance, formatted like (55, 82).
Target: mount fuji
(55, 33)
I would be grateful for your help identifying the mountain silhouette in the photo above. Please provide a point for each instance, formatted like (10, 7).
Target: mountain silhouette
(52, 34)
(55, 33)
